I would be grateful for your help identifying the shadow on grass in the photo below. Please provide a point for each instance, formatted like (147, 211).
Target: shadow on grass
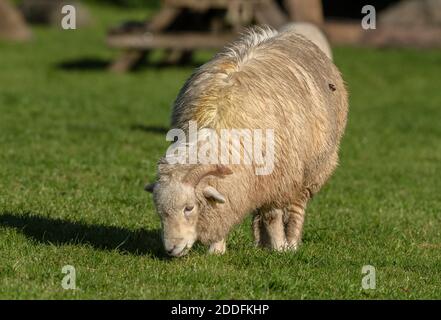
(149, 129)
(84, 64)
(144, 4)
(98, 64)
(61, 232)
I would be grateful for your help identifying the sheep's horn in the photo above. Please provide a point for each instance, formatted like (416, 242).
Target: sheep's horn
(196, 175)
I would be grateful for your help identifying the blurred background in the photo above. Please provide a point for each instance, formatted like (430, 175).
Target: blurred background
(181, 27)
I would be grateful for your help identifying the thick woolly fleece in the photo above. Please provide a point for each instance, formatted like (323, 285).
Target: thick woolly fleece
(264, 80)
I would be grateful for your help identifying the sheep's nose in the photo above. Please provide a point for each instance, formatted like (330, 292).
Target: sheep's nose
(169, 251)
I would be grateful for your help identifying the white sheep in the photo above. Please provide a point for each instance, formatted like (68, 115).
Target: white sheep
(265, 80)
(312, 33)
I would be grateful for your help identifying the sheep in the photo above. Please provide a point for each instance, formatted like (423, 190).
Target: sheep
(312, 33)
(264, 80)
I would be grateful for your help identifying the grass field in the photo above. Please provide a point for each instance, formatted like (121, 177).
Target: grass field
(77, 144)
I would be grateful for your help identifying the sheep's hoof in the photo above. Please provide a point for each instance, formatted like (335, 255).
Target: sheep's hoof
(218, 247)
(282, 248)
(277, 246)
(292, 246)
(271, 245)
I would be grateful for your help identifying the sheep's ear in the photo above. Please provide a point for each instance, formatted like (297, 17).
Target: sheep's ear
(211, 193)
(149, 187)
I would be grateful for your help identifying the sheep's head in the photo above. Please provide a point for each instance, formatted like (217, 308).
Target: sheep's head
(178, 205)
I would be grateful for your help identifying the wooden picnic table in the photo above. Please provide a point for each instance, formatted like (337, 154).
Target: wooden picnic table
(183, 26)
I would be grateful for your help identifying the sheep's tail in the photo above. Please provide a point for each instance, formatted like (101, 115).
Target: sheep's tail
(241, 49)
(312, 33)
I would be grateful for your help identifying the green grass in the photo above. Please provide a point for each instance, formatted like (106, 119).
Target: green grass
(77, 146)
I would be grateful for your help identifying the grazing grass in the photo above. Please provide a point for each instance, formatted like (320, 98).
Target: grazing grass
(77, 145)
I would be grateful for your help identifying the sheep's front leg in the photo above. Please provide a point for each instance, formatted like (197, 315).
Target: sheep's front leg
(269, 230)
(294, 219)
(218, 247)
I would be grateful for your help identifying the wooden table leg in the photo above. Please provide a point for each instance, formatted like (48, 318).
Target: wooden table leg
(127, 60)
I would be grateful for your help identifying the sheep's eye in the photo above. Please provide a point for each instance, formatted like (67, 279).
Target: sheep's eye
(188, 209)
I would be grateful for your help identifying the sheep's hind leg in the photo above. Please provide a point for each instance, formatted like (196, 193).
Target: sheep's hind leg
(294, 216)
(269, 229)
(218, 247)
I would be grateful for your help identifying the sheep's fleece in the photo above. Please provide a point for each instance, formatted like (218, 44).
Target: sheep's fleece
(265, 80)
